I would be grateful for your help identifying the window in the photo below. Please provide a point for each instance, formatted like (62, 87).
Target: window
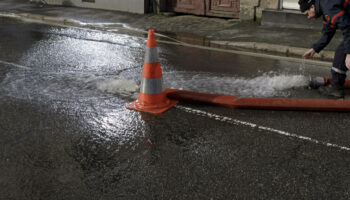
(290, 4)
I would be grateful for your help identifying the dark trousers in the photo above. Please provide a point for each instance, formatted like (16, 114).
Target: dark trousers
(339, 68)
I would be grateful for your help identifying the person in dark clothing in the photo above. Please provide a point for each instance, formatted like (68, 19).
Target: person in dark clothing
(335, 15)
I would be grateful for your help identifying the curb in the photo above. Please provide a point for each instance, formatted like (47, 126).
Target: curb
(283, 50)
(287, 51)
(41, 18)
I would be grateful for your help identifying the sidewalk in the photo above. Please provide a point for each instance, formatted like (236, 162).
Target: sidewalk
(222, 33)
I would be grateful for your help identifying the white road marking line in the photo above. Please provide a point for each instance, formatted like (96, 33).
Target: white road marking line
(14, 64)
(252, 125)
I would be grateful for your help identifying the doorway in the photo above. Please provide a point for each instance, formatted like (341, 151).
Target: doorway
(218, 8)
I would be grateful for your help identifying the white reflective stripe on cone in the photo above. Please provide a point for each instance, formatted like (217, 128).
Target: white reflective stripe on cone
(151, 55)
(151, 86)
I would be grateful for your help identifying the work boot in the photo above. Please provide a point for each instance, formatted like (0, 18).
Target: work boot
(331, 90)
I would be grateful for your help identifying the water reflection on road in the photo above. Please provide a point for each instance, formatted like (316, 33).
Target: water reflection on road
(65, 133)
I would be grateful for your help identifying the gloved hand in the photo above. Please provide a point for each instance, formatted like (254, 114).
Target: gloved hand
(311, 52)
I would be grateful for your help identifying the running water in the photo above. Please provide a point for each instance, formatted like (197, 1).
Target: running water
(81, 85)
(302, 70)
(66, 86)
(122, 87)
(302, 66)
(266, 85)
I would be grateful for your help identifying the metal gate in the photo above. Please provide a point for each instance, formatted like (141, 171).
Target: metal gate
(224, 8)
(218, 8)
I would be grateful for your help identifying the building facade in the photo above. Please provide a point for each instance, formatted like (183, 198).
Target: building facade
(133, 6)
(238, 9)
(242, 9)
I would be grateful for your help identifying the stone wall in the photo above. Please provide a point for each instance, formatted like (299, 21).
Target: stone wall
(133, 6)
(249, 8)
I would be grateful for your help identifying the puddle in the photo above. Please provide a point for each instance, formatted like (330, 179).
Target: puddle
(187, 38)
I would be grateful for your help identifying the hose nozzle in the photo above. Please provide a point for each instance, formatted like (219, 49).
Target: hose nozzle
(316, 82)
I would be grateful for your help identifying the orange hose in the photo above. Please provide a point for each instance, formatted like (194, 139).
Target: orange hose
(260, 103)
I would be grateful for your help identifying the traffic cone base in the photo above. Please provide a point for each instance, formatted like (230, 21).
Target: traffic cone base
(152, 108)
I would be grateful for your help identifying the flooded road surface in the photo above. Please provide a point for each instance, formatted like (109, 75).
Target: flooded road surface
(65, 132)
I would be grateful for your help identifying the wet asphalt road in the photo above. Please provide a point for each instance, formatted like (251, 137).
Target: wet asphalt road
(65, 134)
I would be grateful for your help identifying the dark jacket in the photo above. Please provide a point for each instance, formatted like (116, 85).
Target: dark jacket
(336, 15)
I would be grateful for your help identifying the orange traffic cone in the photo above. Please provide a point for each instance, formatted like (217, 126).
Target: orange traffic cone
(152, 98)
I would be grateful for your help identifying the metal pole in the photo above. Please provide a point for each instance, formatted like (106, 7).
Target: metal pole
(156, 6)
